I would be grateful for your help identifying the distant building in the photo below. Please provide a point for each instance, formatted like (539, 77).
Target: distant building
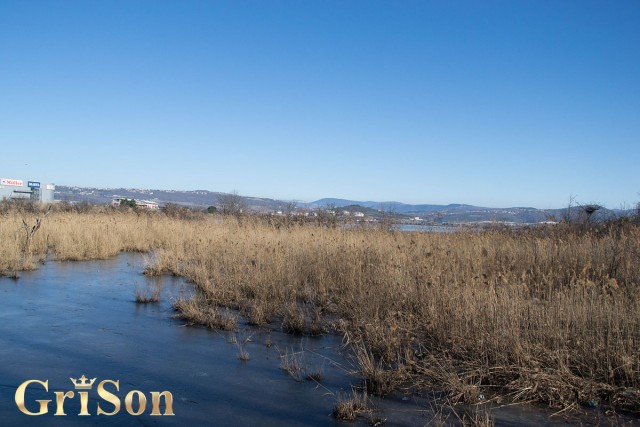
(143, 204)
(146, 204)
(358, 214)
(29, 190)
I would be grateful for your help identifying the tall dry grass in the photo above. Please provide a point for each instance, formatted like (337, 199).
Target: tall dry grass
(549, 314)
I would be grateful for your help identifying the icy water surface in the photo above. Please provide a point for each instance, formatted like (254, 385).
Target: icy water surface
(69, 319)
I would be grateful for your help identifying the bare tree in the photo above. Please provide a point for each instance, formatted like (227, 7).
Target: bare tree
(327, 216)
(566, 216)
(30, 231)
(387, 216)
(578, 213)
(174, 210)
(232, 204)
(289, 208)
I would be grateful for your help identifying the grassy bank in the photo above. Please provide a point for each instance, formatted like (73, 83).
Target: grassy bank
(549, 314)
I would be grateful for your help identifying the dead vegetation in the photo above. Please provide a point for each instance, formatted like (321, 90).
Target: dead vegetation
(146, 296)
(293, 363)
(548, 314)
(197, 312)
(348, 407)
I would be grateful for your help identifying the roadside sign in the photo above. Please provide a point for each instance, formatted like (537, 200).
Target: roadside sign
(13, 182)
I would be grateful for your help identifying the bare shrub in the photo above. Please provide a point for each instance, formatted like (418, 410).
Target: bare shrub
(174, 210)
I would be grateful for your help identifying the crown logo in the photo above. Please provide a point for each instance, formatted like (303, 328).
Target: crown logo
(82, 383)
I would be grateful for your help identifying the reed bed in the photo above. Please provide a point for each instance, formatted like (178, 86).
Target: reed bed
(546, 314)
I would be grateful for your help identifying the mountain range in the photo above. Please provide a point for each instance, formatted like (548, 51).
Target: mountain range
(427, 213)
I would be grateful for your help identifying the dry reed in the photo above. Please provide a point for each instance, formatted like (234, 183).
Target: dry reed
(549, 314)
(349, 406)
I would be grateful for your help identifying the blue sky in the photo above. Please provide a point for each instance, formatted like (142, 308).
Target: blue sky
(492, 103)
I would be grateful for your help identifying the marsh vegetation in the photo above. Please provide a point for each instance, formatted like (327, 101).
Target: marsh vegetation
(546, 314)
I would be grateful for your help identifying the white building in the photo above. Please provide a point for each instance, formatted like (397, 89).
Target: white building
(143, 204)
(31, 190)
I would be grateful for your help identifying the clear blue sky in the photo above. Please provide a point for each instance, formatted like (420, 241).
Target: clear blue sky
(492, 103)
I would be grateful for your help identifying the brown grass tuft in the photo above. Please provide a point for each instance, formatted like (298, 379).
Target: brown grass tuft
(197, 312)
(380, 378)
(293, 364)
(349, 406)
(144, 297)
(293, 320)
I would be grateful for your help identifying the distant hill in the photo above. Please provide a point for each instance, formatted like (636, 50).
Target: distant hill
(194, 199)
(451, 213)
(461, 213)
(401, 208)
(437, 214)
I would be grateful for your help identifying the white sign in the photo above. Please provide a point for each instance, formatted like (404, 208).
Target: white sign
(14, 182)
(51, 187)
